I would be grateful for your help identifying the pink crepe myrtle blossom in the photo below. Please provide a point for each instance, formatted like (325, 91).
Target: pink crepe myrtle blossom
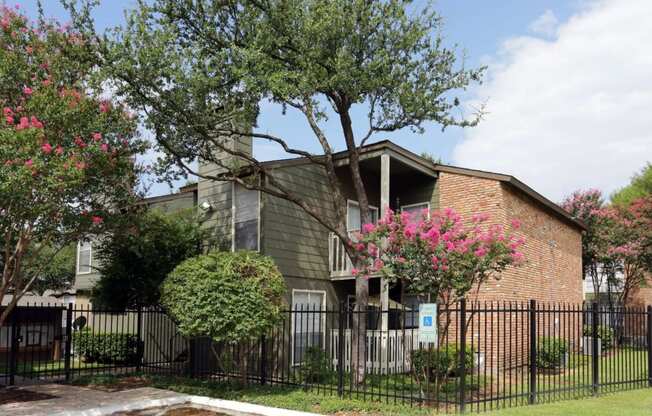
(46, 148)
(23, 124)
(437, 252)
(29, 163)
(104, 147)
(9, 120)
(7, 111)
(368, 228)
(58, 150)
(27, 91)
(36, 123)
(97, 220)
(97, 136)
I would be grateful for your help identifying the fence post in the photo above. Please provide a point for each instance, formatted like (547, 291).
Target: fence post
(533, 351)
(649, 345)
(139, 331)
(263, 360)
(462, 353)
(340, 351)
(68, 352)
(15, 344)
(595, 358)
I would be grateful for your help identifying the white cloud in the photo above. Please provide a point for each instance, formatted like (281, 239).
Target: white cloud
(574, 112)
(546, 24)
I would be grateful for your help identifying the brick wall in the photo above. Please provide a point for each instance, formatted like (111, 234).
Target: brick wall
(552, 272)
(641, 297)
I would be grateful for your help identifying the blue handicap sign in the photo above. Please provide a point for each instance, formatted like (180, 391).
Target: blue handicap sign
(427, 321)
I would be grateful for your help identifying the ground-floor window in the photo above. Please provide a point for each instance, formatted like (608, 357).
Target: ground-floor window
(308, 323)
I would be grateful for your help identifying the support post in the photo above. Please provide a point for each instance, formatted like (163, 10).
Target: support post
(384, 285)
(340, 350)
(649, 346)
(595, 357)
(462, 354)
(532, 399)
(68, 352)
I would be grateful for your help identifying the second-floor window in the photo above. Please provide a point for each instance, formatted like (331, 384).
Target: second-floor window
(353, 221)
(84, 257)
(246, 216)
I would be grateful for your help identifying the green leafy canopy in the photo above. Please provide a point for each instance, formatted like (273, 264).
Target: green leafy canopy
(227, 296)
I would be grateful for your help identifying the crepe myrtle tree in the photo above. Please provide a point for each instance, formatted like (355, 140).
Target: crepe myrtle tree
(630, 243)
(598, 260)
(65, 155)
(199, 71)
(436, 254)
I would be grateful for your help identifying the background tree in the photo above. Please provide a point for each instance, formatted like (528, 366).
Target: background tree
(640, 186)
(199, 71)
(58, 274)
(65, 154)
(134, 261)
(631, 244)
(598, 261)
(232, 298)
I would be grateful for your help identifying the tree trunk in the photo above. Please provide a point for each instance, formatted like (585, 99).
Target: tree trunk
(359, 330)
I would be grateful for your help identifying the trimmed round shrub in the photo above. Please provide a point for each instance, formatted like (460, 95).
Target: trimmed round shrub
(226, 296)
(605, 334)
(441, 362)
(551, 352)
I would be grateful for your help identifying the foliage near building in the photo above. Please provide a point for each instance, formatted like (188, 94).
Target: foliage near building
(136, 258)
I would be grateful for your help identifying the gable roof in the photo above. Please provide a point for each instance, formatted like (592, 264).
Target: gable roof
(426, 166)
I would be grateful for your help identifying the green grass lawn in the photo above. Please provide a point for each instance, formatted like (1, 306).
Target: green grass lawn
(634, 403)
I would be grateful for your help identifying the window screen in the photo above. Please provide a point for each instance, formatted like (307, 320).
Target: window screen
(245, 218)
(308, 322)
(416, 210)
(353, 220)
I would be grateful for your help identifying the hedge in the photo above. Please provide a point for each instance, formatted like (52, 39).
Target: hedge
(107, 348)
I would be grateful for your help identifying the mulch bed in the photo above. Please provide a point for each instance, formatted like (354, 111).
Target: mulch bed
(120, 384)
(178, 411)
(15, 395)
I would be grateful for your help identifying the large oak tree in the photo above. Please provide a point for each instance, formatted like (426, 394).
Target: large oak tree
(199, 70)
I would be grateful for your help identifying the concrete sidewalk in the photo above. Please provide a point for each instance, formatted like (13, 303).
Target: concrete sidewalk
(67, 399)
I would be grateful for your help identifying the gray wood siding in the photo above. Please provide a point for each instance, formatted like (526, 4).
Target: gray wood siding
(297, 242)
(219, 195)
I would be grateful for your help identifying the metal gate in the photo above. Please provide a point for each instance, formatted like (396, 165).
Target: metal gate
(45, 343)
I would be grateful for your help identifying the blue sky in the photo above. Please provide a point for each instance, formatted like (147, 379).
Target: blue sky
(555, 51)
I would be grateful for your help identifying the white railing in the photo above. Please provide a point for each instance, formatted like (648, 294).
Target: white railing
(339, 263)
(387, 351)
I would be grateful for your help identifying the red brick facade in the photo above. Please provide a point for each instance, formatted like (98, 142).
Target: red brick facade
(641, 297)
(553, 268)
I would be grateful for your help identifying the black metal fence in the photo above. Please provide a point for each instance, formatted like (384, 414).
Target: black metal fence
(488, 355)
(45, 343)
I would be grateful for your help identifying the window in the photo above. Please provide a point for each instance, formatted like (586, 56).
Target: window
(416, 209)
(308, 323)
(246, 214)
(33, 338)
(84, 257)
(353, 220)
